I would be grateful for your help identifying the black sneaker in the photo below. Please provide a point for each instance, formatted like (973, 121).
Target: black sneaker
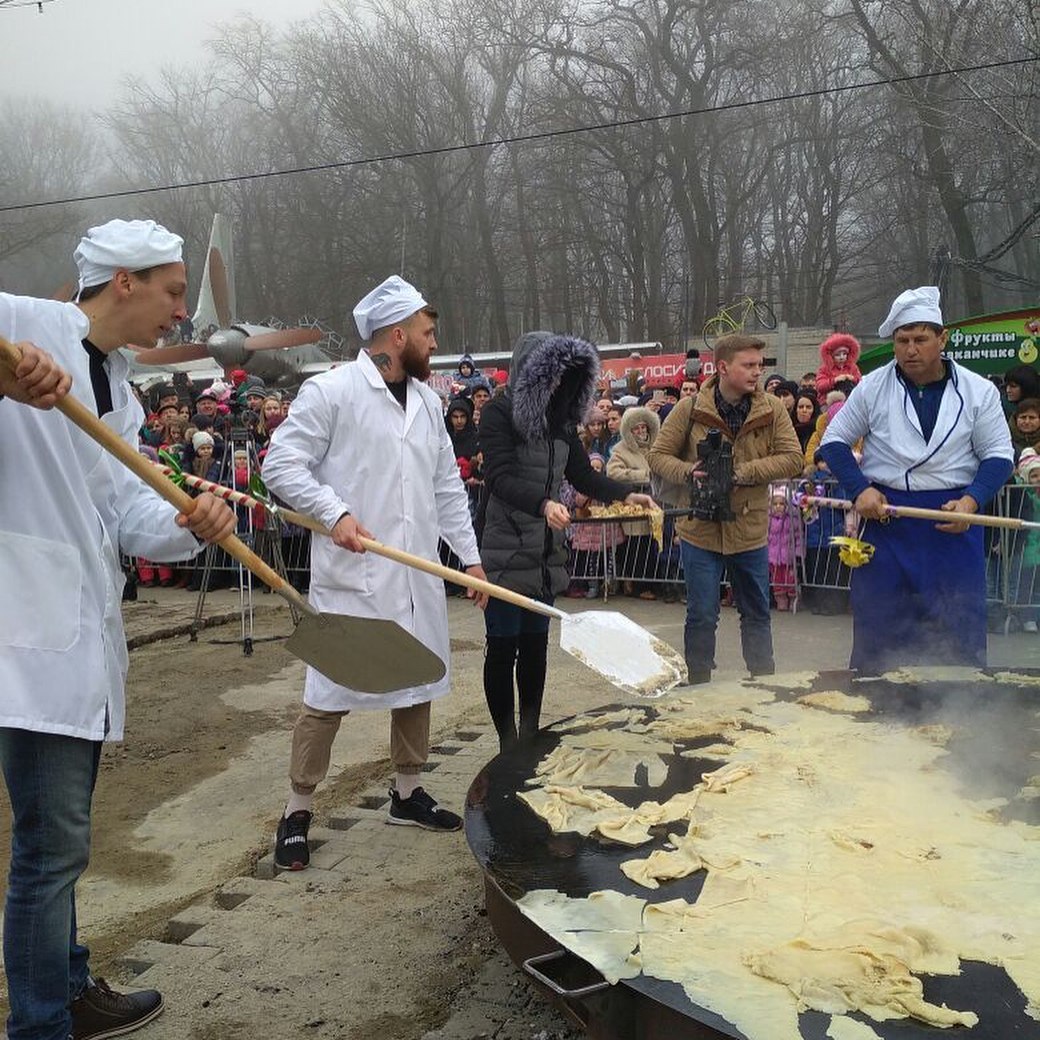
(291, 851)
(420, 810)
(99, 1011)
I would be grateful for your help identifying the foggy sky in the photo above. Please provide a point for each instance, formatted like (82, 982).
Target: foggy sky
(77, 51)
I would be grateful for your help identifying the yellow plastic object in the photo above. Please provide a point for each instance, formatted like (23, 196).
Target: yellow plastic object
(852, 551)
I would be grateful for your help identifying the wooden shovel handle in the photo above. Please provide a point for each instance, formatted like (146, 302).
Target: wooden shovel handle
(91, 425)
(919, 513)
(398, 555)
(460, 578)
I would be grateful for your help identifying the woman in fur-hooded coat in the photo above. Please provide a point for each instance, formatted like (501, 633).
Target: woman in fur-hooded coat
(530, 443)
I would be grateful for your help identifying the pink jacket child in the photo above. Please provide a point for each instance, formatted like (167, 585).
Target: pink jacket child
(838, 356)
(786, 545)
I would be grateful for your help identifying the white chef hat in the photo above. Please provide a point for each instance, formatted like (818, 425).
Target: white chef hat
(387, 304)
(913, 307)
(131, 245)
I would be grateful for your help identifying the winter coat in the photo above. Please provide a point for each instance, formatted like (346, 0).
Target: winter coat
(628, 461)
(464, 443)
(829, 371)
(786, 539)
(1030, 510)
(475, 377)
(812, 445)
(348, 446)
(529, 440)
(68, 510)
(804, 431)
(765, 449)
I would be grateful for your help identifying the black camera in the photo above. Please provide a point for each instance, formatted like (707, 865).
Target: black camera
(709, 495)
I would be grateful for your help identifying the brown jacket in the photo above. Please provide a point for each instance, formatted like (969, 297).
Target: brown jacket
(765, 449)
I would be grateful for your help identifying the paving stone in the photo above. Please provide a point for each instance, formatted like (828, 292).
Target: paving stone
(189, 921)
(236, 891)
(146, 953)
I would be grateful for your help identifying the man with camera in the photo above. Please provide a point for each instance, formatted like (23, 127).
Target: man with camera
(727, 444)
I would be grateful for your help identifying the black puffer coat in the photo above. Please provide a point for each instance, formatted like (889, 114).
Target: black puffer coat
(530, 443)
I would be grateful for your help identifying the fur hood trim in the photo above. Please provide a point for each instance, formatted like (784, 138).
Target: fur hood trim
(541, 365)
(833, 343)
(638, 415)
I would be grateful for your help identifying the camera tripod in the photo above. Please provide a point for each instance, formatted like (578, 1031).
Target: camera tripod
(265, 541)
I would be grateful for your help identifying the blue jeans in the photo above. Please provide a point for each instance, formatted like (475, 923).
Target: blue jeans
(749, 576)
(510, 621)
(50, 780)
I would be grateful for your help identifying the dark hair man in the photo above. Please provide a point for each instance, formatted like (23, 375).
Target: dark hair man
(63, 657)
(365, 443)
(765, 448)
(934, 435)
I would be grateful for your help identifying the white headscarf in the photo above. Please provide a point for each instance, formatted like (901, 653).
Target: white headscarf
(387, 304)
(130, 245)
(912, 308)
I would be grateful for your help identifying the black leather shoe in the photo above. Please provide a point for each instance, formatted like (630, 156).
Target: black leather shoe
(100, 1012)
(696, 678)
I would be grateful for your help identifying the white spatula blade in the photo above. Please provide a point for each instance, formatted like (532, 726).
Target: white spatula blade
(623, 652)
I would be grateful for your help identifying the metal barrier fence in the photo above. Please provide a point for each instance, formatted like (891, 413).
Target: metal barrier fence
(607, 557)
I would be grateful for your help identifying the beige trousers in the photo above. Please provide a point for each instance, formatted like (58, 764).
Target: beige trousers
(315, 731)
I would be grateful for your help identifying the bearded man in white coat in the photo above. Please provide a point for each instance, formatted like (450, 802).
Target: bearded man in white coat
(366, 444)
(67, 511)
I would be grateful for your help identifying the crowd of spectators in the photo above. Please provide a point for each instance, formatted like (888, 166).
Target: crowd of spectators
(221, 434)
(218, 434)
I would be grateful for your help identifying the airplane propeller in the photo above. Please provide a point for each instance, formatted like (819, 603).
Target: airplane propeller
(279, 339)
(229, 347)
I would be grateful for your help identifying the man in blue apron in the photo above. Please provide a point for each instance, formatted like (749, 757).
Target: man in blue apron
(934, 435)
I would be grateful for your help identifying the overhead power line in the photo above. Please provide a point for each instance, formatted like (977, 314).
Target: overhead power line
(542, 135)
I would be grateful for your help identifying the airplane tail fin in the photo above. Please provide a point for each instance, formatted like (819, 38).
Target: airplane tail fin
(216, 307)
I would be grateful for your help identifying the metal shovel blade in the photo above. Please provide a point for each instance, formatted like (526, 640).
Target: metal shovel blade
(623, 652)
(372, 655)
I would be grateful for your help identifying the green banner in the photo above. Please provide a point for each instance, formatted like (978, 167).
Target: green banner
(988, 344)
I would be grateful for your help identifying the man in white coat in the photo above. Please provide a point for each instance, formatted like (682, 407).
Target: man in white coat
(67, 511)
(934, 435)
(366, 444)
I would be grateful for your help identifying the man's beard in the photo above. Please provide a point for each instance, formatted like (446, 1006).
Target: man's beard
(415, 363)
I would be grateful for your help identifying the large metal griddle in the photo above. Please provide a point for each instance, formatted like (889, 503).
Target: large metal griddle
(519, 854)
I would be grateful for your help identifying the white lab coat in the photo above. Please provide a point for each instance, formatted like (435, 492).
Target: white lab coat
(970, 427)
(66, 509)
(348, 446)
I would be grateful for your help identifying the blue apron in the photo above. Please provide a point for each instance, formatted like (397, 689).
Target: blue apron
(921, 600)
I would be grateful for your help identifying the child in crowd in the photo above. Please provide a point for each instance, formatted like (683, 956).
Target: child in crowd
(203, 464)
(1024, 549)
(786, 543)
(826, 587)
(838, 356)
(1025, 425)
(588, 541)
